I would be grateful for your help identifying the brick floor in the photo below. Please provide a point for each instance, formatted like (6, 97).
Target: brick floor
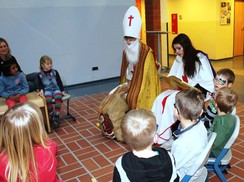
(85, 154)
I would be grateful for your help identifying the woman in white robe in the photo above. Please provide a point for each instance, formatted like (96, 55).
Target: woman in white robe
(191, 66)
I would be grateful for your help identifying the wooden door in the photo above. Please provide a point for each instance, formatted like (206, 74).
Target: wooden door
(239, 28)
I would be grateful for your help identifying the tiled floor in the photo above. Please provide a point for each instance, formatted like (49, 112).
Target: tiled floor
(85, 154)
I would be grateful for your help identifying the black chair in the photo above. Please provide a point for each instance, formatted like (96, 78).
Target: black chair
(32, 80)
(67, 98)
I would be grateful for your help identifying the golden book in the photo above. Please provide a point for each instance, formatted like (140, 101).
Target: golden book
(176, 83)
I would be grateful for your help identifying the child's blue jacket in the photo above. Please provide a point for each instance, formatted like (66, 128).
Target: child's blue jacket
(12, 85)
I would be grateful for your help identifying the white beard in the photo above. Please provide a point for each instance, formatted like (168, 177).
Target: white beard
(132, 51)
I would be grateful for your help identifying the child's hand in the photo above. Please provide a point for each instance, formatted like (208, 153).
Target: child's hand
(40, 93)
(15, 98)
(11, 97)
(63, 93)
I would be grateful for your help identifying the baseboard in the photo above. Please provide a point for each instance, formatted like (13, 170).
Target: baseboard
(93, 83)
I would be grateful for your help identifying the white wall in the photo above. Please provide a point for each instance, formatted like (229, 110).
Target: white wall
(76, 34)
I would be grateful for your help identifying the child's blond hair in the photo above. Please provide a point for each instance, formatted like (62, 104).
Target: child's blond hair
(44, 59)
(21, 128)
(226, 99)
(139, 128)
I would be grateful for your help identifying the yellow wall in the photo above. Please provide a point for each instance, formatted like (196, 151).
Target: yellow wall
(201, 22)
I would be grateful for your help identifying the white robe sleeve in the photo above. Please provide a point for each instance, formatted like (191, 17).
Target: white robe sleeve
(205, 74)
(177, 68)
(203, 77)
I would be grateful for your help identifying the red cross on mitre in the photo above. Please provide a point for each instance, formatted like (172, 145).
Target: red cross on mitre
(130, 19)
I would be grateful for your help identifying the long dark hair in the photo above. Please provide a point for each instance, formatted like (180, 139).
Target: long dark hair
(7, 66)
(190, 54)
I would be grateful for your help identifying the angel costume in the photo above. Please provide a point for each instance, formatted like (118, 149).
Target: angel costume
(163, 106)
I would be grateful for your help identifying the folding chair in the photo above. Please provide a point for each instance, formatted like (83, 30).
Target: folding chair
(68, 115)
(222, 162)
(33, 83)
(200, 162)
(66, 98)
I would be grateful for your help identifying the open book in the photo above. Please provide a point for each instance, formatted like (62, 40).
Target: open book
(176, 83)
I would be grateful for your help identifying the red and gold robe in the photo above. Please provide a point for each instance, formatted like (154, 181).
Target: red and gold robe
(145, 84)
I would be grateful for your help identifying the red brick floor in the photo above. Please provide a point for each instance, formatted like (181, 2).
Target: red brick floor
(85, 154)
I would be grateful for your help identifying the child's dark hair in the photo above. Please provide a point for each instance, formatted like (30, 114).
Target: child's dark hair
(189, 103)
(7, 66)
(226, 99)
(190, 54)
(228, 73)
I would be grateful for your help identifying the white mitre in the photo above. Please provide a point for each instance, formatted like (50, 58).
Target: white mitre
(132, 23)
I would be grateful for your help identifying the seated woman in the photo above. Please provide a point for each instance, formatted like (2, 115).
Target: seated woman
(6, 56)
(191, 66)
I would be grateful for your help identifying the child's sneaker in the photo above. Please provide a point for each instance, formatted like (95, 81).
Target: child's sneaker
(54, 122)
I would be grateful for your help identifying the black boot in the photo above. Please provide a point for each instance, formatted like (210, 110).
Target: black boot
(54, 122)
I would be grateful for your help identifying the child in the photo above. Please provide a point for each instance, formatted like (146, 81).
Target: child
(26, 153)
(192, 135)
(51, 86)
(6, 56)
(224, 122)
(143, 163)
(13, 84)
(224, 78)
